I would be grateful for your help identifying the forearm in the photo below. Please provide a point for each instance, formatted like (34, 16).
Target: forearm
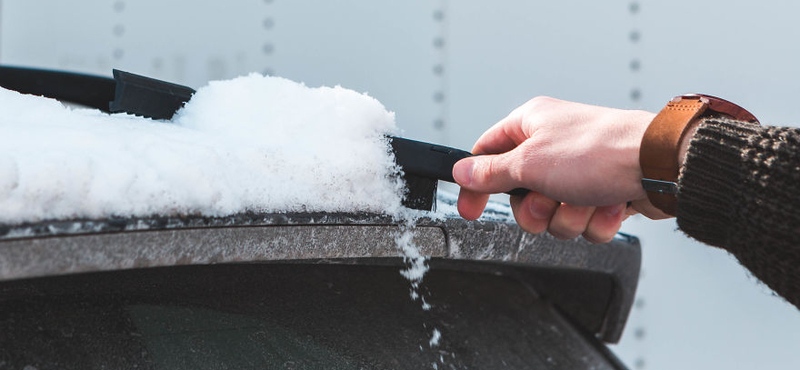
(739, 191)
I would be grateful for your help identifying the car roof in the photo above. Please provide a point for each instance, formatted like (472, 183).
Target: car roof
(593, 283)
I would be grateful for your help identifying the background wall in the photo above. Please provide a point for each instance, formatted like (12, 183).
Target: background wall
(450, 69)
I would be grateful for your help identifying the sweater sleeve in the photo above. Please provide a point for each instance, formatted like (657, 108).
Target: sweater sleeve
(739, 190)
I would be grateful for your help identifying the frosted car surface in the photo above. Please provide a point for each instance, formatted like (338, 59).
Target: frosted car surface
(307, 291)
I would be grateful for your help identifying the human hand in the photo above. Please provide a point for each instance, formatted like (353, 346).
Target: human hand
(581, 163)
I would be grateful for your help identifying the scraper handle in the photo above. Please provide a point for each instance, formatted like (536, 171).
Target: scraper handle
(91, 91)
(431, 160)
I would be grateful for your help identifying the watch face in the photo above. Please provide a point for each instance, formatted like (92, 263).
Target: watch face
(723, 107)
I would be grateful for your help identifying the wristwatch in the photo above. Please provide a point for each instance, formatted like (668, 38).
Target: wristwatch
(658, 154)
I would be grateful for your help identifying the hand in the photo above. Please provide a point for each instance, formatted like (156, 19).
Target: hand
(581, 163)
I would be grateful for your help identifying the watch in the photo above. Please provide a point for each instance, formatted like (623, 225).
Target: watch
(658, 153)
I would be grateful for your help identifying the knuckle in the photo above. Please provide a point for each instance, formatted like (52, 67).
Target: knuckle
(563, 232)
(536, 226)
(572, 232)
(541, 99)
(597, 237)
(500, 168)
(529, 159)
(541, 102)
(570, 221)
(484, 172)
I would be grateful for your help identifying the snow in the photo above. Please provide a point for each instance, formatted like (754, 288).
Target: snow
(416, 262)
(254, 143)
(251, 144)
(435, 337)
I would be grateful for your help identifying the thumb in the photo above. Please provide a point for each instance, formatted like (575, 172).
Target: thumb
(494, 173)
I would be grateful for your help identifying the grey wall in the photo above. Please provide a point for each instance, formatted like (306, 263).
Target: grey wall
(452, 68)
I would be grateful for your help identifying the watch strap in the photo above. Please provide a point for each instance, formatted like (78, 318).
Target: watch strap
(658, 154)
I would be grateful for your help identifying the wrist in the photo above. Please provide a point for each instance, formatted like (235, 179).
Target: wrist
(666, 142)
(639, 202)
(639, 120)
(683, 147)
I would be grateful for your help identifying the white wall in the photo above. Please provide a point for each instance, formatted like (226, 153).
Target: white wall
(452, 68)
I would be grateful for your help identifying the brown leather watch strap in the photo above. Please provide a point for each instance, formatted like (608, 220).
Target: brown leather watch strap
(658, 154)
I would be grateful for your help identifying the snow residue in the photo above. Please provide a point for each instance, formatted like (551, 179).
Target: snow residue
(255, 143)
(434, 342)
(446, 200)
(416, 262)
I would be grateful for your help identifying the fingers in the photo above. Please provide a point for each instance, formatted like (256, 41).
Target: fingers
(509, 132)
(502, 137)
(533, 211)
(471, 204)
(605, 223)
(536, 213)
(570, 221)
(491, 173)
(647, 209)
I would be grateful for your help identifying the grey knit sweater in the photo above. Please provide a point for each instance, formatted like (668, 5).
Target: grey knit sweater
(740, 191)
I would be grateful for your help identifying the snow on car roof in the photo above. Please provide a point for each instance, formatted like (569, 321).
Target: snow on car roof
(251, 144)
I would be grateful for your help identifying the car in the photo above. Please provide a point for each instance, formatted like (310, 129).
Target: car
(308, 291)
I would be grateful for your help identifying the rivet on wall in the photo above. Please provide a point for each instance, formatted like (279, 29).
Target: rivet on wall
(635, 95)
(635, 65)
(633, 7)
(439, 17)
(634, 36)
(119, 6)
(268, 48)
(118, 30)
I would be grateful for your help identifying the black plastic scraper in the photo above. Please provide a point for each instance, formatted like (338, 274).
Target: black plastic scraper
(147, 97)
(423, 164)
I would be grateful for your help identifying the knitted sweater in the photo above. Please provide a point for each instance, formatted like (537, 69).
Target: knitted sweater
(740, 191)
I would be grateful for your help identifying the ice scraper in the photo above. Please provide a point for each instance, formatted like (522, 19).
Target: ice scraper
(423, 164)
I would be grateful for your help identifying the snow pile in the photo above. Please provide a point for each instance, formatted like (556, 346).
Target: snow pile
(255, 143)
